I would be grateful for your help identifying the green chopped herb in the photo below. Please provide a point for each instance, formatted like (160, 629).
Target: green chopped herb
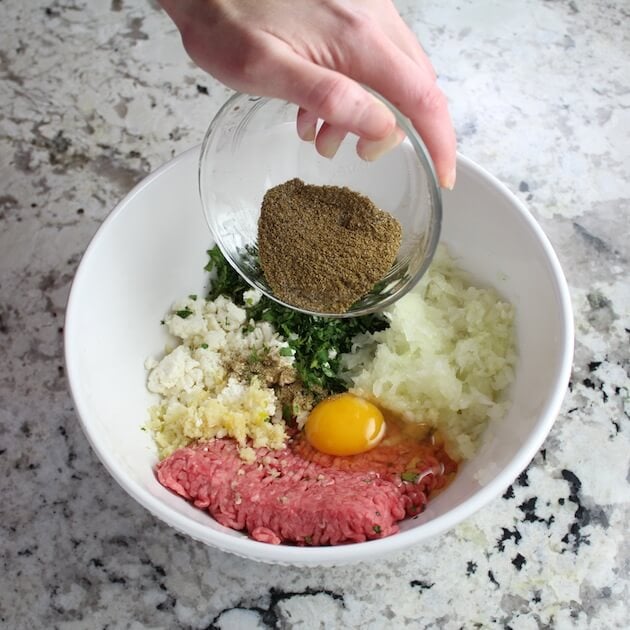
(308, 540)
(377, 529)
(193, 296)
(326, 369)
(204, 346)
(162, 322)
(285, 352)
(410, 476)
(286, 412)
(248, 328)
(312, 339)
(224, 276)
(184, 313)
(257, 357)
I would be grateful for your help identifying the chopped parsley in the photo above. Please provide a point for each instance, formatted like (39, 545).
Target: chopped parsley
(193, 296)
(285, 352)
(225, 281)
(254, 357)
(184, 313)
(410, 476)
(258, 356)
(317, 343)
(287, 412)
(377, 529)
(204, 346)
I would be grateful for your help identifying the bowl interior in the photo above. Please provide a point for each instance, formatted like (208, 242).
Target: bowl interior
(151, 251)
(252, 145)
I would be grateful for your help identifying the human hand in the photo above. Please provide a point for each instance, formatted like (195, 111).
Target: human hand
(317, 55)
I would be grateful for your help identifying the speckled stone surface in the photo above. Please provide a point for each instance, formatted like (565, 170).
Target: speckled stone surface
(94, 95)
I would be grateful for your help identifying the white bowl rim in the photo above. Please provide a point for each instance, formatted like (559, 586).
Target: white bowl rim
(356, 552)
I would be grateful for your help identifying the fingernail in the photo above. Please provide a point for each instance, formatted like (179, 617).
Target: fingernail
(328, 144)
(370, 150)
(448, 181)
(306, 130)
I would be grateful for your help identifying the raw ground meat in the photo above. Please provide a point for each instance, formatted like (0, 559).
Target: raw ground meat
(287, 496)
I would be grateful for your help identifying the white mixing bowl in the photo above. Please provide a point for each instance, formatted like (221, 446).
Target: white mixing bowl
(151, 251)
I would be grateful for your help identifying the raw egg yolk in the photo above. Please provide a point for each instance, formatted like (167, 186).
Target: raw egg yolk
(344, 425)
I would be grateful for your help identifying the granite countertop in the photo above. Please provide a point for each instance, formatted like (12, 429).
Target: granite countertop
(96, 95)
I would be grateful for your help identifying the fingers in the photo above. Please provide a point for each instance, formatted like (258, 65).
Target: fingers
(329, 137)
(371, 150)
(419, 98)
(439, 137)
(306, 125)
(328, 95)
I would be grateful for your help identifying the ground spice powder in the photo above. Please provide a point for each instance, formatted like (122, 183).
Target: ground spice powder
(323, 247)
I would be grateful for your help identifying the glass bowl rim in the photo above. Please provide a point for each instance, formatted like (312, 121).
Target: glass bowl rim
(435, 207)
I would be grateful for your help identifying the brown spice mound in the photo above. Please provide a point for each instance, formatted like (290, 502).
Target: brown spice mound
(323, 247)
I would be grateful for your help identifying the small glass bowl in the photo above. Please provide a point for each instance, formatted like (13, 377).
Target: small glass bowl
(252, 145)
